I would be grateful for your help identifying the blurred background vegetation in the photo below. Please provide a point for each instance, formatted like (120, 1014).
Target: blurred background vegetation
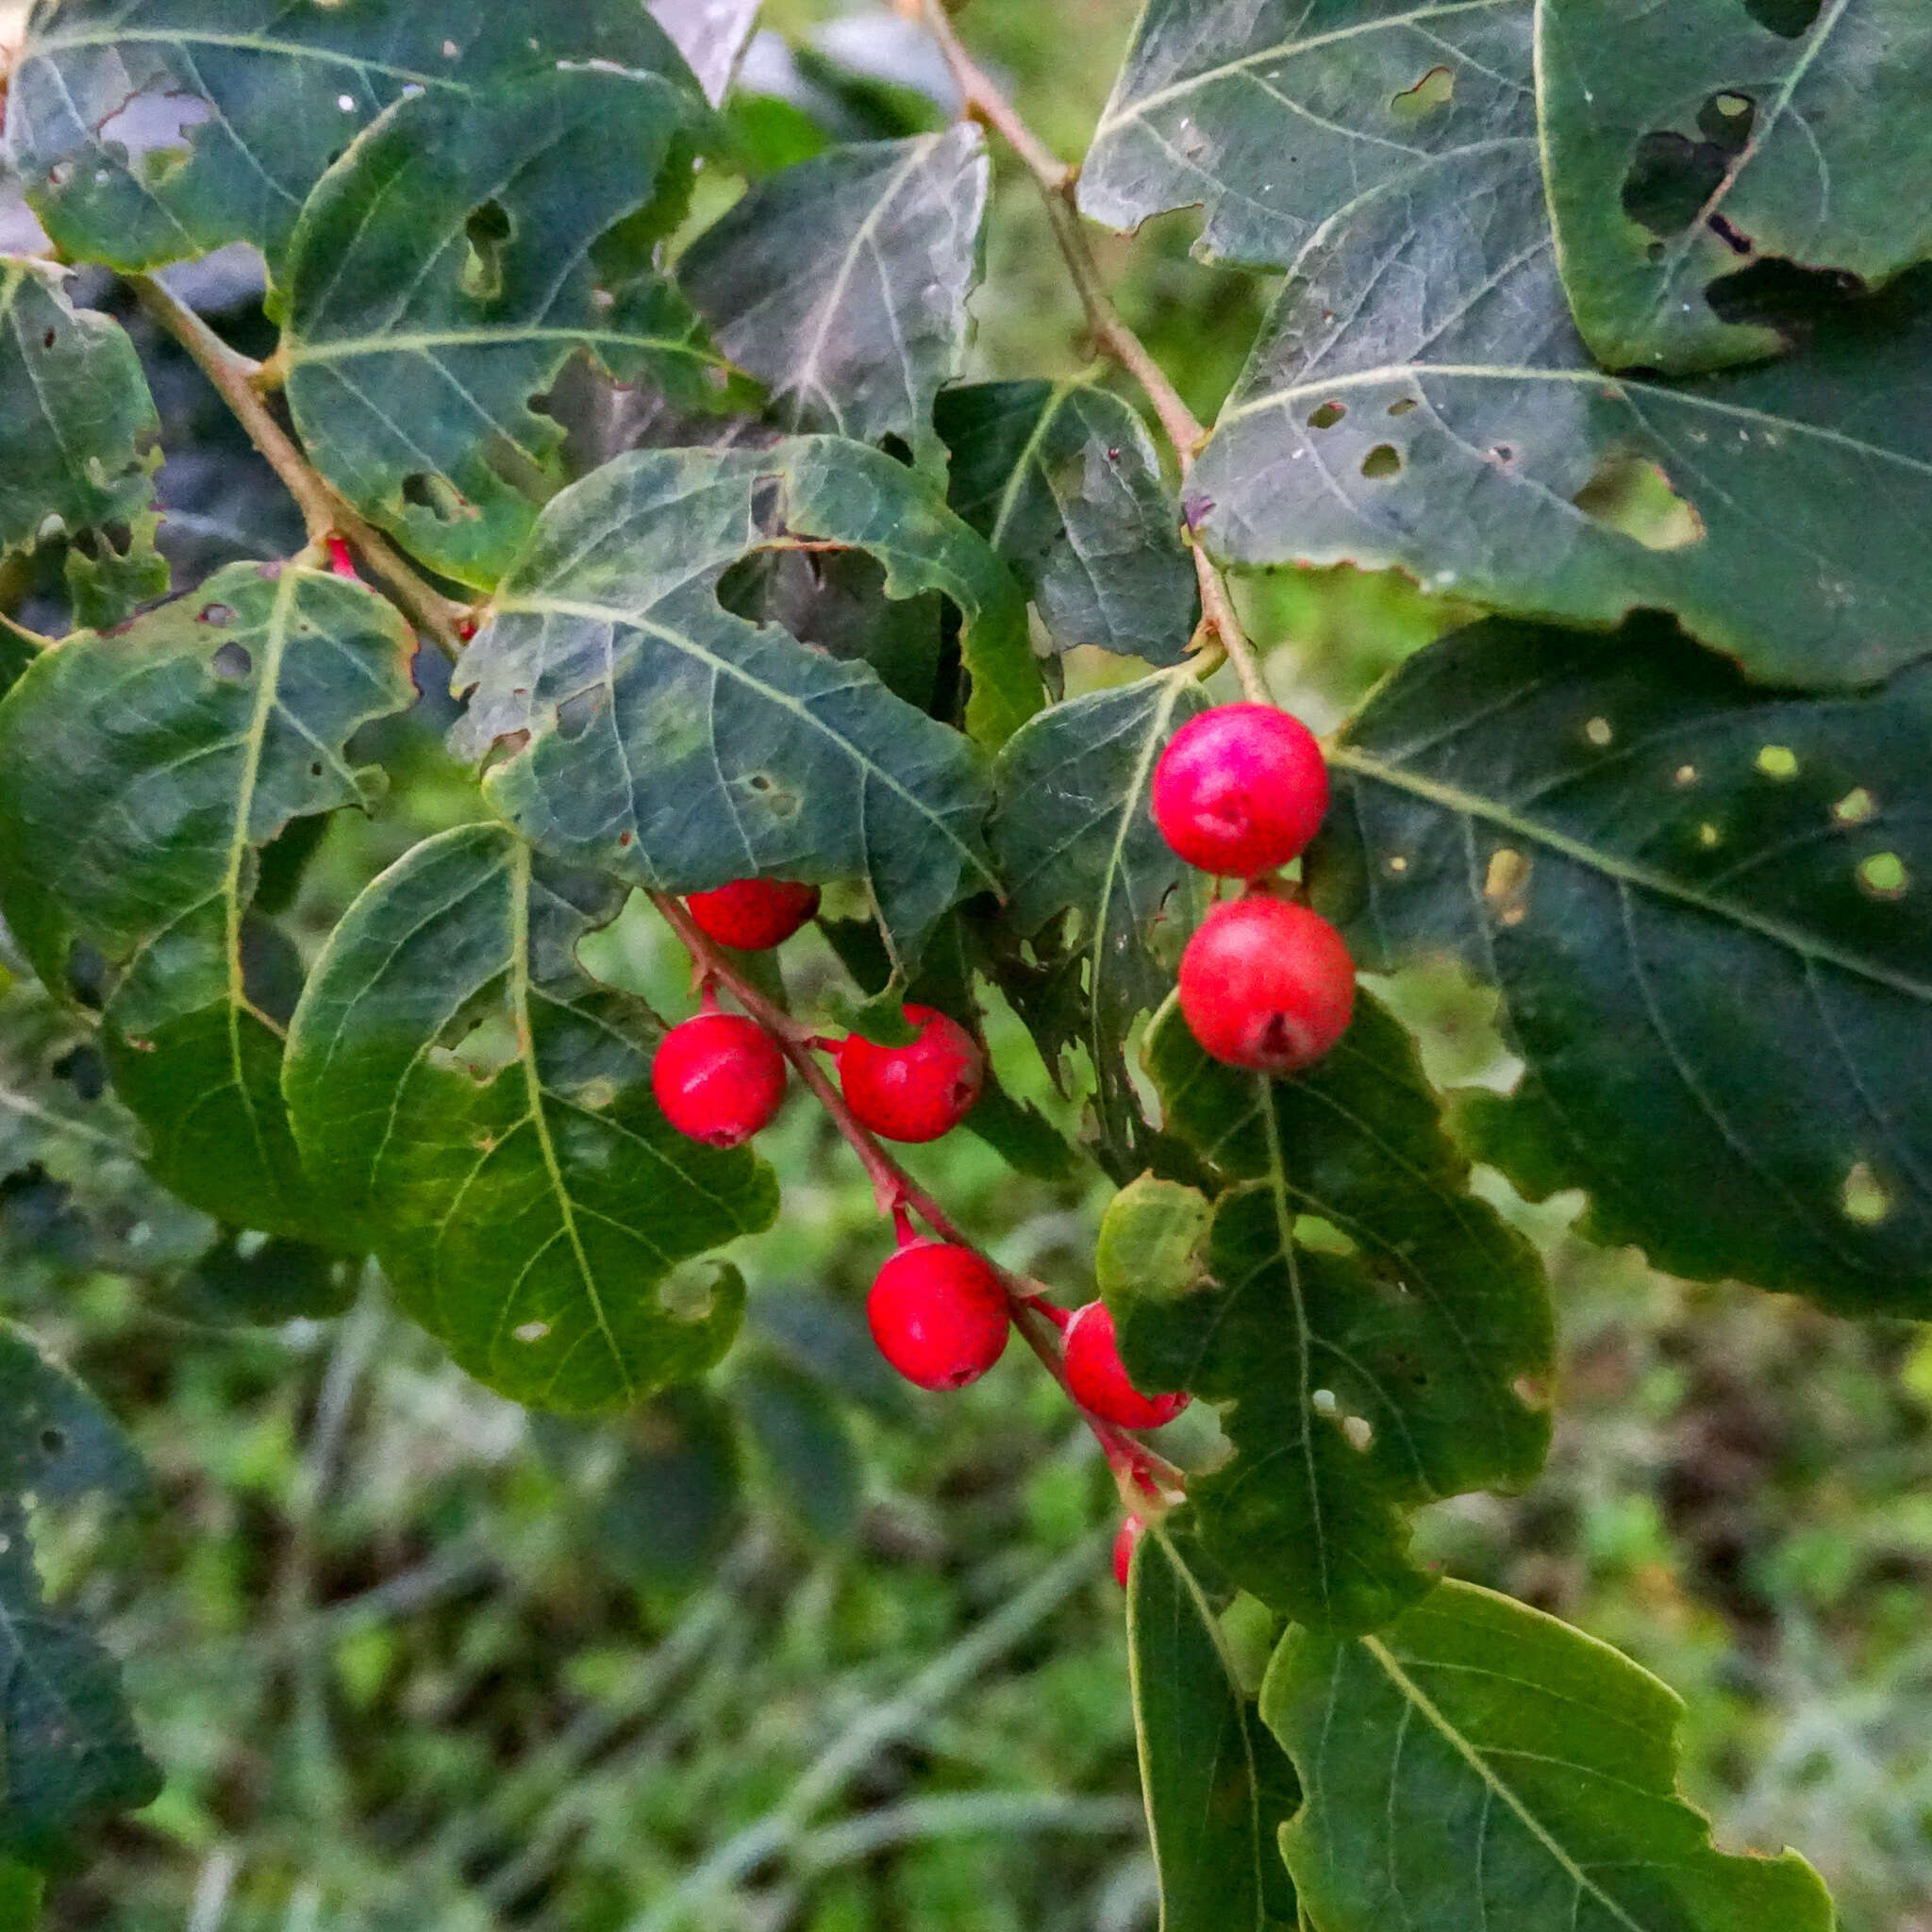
(810, 1652)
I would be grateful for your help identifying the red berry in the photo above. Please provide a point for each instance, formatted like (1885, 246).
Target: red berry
(939, 1314)
(1123, 1549)
(1267, 985)
(719, 1078)
(752, 914)
(913, 1093)
(1240, 790)
(1098, 1377)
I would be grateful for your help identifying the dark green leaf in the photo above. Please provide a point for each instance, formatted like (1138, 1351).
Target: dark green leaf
(1421, 400)
(68, 1753)
(148, 769)
(1061, 478)
(1689, 153)
(1483, 1768)
(841, 284)
(1073, 835)
(1216, 1793)
(806, 1447)
(1275, 114)
(671, 1506)
(446, 271)
(1354, 1386)
(245, 1279)
(21, 1894)
(151, 132)
(712, 36)
(1706, 910)
(652, 734)
(458, 1081)
(77, 428)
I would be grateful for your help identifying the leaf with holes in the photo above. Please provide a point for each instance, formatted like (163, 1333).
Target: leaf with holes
(461, 1086)
(151, 132)
(1705, 908)
(1481, 1765)
(1420, 399)
(1715, 174)
(77, 430)
(1216, 1784)
(1062, 480)
(446, 271)
(647, 732)
(841, 283)
(1275, 115)
(148, 770)
(1075, 840)
(711, 35)
(1373, 1334)
(69, 1757)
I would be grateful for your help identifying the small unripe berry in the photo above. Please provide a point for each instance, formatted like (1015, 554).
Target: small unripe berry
(1267, 985)
(1098, 1377)
(752, 914)
(939, 1314)
(1123, 1549)
(719, 1078)
(1240, 790)
(914, 1092)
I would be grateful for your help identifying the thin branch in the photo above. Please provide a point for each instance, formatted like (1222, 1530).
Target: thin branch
(326, 514)
(33, 640)
(1219, 608)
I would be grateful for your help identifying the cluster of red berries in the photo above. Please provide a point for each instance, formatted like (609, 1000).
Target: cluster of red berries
(1265, 983)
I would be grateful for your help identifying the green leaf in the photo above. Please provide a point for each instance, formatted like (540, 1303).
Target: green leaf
(1391, 1366)
(842, 283)
(151, 132)
(443, 273)
(1705, 908)
(1061, 478)
(69, 1757)
(1275, 114)
(78, 432)
(22, 1894)
(457, 1082)
(1481, 1765)
(650, 733)
(243, 1279)
(1686, 157)
(149, 768)
(1216, 1787)
(711, 35)
(1419, 400)
(805, 1444)
(1073, 837)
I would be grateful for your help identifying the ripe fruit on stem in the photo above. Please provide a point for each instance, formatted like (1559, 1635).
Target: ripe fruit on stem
(752, 914)
(1098, 1377)
(1240, 790)
(1123, 1549)
(1267, 985)
(914, 1092)
(939, 1314)
(719, 1078)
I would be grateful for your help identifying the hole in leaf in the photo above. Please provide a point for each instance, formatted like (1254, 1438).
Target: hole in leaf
(1312, 1231)
(1506, 885)
(1431, 93)
(1359, 1431)
(1599, 731)
(48, 340)
(53, 1441)
(1323, 1402)
(1632, 496)
(576, 713)
(216, 614)
(1684, 775)
(232, 664)
(1787, 18)
(688, 1294)
(1709, 835)
(1864, 1199)
(152, 130)
(88, 975)
(1671, 180)
(531, 1331)
(83, 1070)
(1884, 876)
(1855, 808)
(421, 490)
(488, 232)
(1383, 462)
(1402, 406)
(768, 507)
(1778, 294)
(1779, 761)
(1726, 118)
(482, 1046)
(1398, 864)
(1327, 416)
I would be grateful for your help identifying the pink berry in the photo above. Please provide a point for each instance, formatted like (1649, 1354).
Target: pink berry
(914, 1092)
(1098, 1377)
(939, 1314)
(751, 914)
(1267, 985)
(719, 1078)
(1124, 1545)
(1240, 790)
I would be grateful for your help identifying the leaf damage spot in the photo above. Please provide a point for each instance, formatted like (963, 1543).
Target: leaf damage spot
(1429, 95)
(232, 664)
(152, 131)
(1788, 19)
(1882, 874)
(1684, 775)
(488, 231)
(1359, 1431)
(1398, 864)
(1855, 808)
(1600, 732)
(1709, 835)
(1632, 496)
(1779, 761)
(1328, 415)
(1506, 885)
(1864, 1199)
(532, 1331)
(1383, 462)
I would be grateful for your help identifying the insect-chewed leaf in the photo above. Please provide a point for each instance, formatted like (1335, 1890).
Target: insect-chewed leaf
(443, 273)
(1708, 910)
(711, 35)
(77, 433)
(654, 735)
(1277, 114)
(1480, 1765)
(1360, 1378)
(1062, 480)
(1073, 835)
(459, 1083)
(1694, 164)
(71, 1757)
(147, 771)
(151, 132)
(842, 283)
(1216, 1785)
(1420, 399)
